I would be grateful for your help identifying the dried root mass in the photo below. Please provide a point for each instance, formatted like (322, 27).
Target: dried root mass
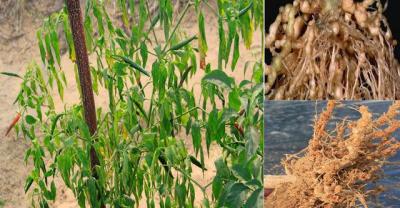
(336, 166)
(332, 49)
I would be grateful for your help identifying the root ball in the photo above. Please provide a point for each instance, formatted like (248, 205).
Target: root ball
(307, 34)
(335, 168)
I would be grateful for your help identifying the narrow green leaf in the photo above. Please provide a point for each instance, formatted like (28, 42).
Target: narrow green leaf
(217, 186)
(241, 172)
(141, 110)
(28, 183)
(52, 193)
(168, 202)
(88, 29)
(206, 203)
(222, 168)
(202, 39)
(81, 198)
(180, 191)
(154, 20)
(219, 78)
(255, 200)
(131, 64)
(197, 163)
(41, 46)
(184, 76)
(125, 20)
(60, 87)
(236, 194)
(235, 52)
(30, 119)
(49, 54)
(253, 140)
(97, 13)
(247, 30)
(196, 136)
(43, 204)
(244, 10)
(132, 7)
(142, 14)
(144, 53)
(55, 45)
(68, 37)
(231, 36)
(54, 124)
(234, 100)
(91, 185)
(11, 74)
(212, 125)
(222, 44)
(183, 43)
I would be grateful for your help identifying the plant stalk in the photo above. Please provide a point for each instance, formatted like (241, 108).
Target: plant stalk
(176, 26)
(89, 108)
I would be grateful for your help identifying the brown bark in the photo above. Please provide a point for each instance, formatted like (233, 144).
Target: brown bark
(75, 18)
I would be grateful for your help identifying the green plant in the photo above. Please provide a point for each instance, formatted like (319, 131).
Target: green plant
(2, 203)
(140, 153)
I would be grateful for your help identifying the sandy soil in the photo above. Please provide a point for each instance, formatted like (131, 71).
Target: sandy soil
(18, 47)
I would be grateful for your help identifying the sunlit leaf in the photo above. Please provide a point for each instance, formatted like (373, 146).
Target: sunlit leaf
(41, 46)
(235, 195)
(222, 44)
(55, 45)
(183, 43)
(196, 136)
(202, 35)
(235, 52)
(131, 64)
(143, 53)
(30, 119)
(244, 10)
(234, 100)
(197, 163)
(255, 200)
(28, 183)
(253, 140)
(219, 78)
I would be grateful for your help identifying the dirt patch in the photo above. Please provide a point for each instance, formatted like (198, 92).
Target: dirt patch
(337, 165)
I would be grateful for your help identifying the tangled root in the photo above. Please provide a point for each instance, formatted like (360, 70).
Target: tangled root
(332, 49)
(336, 166)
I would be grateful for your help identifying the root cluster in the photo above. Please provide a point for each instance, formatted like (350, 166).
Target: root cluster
(336, 167)
(332, 49)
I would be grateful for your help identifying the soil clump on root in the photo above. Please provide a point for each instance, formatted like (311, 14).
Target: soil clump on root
(337, 165)
(332, 49)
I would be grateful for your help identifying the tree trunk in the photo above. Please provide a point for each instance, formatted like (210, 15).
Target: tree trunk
(75, 18)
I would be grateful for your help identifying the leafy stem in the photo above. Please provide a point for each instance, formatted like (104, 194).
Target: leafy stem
(203, 189)
(176, 26)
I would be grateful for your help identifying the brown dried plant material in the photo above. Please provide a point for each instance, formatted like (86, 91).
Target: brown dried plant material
(332, 49)
(335, 168)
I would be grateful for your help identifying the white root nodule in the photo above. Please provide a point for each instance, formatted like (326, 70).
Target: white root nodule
(304, 35)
